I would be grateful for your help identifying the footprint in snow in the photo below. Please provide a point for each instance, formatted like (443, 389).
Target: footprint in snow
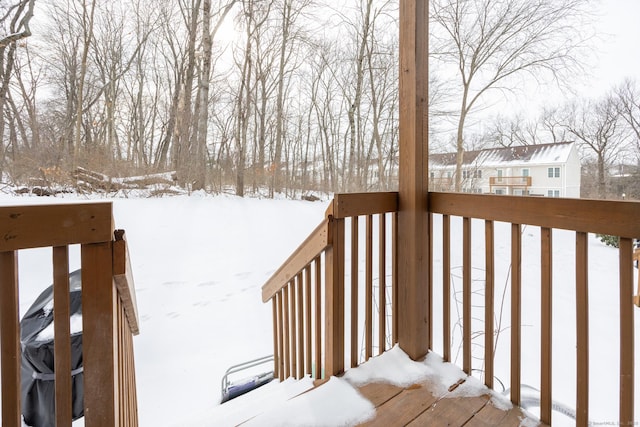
(208, 284)
(173, 283)
(201, 303)
(173, 315)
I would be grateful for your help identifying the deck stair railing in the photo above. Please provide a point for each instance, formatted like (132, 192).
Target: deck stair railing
(309, 296)
(309, 300)
(109, 313)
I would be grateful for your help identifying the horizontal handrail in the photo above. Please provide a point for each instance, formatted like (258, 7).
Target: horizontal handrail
(357, 204)
(25, 227)
(123, 277)
(313, 245)
(616, 218)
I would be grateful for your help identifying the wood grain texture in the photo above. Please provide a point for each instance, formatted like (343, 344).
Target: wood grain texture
(123, 277)
(582, 332)
(627, 347)
(356, 204)
(23, 227)
(489, 303)
(62, 336)
(413, 217)
(99, 335)
(313, 246)
(546, 310)
(10, 339)
(516, 312)
(617, 218)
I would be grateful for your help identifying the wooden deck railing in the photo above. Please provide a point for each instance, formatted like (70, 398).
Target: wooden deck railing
(309, 301)
(581, 216)
(510, 181)
(301, 315)
(109, 315)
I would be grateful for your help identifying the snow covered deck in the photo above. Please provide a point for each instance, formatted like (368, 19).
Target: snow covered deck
(390, 389)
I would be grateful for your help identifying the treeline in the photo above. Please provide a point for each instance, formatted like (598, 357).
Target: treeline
(280, 94)
(263, 95)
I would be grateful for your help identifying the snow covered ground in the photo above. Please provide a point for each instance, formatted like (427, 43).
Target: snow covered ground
(199, 263)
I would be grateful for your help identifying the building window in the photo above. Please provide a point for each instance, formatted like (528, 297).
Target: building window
(525, 175)
(432, 175)
(553, 193)
(499, 175)
(477, 174)
(465, 174)
(499, 191)
(553, 172)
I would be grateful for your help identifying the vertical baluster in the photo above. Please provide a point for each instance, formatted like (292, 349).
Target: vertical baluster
(582, 333)
(394, 275)
(318, 317)
(546, 324)
(286, 337)
(627, 346)
(276, 350)
(307, 323)
(516, 315)
(446, 288)
(62, 336)
(301, 354)
(430, 280)
(368, 299)
(10, 339)
(466, 295)
(354, 291)
(382, 300)
(281, 327)
(488, 304)
(293, 316)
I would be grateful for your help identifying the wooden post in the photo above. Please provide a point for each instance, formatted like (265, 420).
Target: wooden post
(99, 336)
(334, 299)
(62, 343)
(10, 339)
(413, 217)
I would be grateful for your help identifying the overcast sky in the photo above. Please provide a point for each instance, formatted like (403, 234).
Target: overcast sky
(620, 49)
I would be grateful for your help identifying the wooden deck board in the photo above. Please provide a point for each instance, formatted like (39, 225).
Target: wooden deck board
(455, 411)
(420, 405)
(492, 416)
(379, 393)
(405, 406)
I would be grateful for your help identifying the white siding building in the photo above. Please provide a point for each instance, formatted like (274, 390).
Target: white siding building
(550, 170)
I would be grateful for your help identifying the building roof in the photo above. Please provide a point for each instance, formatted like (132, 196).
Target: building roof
(534, 154)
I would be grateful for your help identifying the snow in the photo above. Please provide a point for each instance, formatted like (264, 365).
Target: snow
(75, 324)
(199, 263)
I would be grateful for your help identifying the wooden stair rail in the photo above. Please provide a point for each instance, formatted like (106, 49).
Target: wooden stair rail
(108, 304)
(579, 215)
(317, 268)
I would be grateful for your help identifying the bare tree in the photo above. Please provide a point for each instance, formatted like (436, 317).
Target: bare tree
(15, 18)
(597, 127)
(628, 96)
(489, 43)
